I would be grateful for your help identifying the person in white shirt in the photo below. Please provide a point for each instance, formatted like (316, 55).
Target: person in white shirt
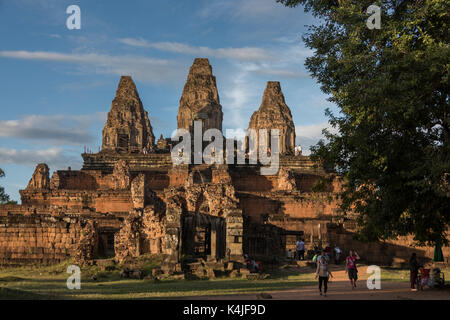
(323, 274)
(301, 249)
(337, 255)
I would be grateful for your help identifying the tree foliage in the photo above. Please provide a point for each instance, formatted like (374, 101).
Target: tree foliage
(4, 198)
(391, 86)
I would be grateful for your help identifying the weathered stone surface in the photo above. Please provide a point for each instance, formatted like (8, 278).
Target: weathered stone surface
(154, 229)
(128, 127)
(286, 180)
(138, 191)
(85, 248)
(127, 240)
(275, 114)
(200, 98)
(121, 175)
(186, 213)
(162, 144)
(41, 178)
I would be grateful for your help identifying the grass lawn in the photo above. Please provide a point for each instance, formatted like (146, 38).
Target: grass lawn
(50, 283)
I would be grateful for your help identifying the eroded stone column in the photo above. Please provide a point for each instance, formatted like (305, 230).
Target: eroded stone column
(234, 235)
(173, 234)
(213, 243)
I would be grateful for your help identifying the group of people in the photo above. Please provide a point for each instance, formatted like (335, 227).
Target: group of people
(328, 253)
(324, 274)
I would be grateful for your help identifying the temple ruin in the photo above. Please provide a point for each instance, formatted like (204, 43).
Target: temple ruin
(130, 199)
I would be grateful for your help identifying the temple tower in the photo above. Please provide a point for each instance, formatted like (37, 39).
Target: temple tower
(200, 99)
(128, 127)
(275, 114)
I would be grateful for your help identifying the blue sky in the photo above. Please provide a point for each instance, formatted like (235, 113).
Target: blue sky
(57, 84)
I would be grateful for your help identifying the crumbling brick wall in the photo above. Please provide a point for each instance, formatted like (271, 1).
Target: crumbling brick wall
(39, 239)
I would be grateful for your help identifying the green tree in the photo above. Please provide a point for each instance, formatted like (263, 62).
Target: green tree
(4, 198)
(391, 86)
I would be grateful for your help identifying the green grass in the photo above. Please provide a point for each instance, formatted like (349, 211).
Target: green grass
(49, 282)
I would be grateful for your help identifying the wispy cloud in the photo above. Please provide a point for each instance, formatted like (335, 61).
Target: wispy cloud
(242, 54)
(135, 42)
(239, 96)
(248, 9)
(281, 61)
(56, 158)
(282, 73)
(55, 129)
(309, 135)
(141, 68)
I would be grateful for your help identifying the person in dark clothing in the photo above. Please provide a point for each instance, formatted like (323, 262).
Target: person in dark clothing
(413, 269)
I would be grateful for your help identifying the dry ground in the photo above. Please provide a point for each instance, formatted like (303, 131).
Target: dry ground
(340, 289)
(291, 282)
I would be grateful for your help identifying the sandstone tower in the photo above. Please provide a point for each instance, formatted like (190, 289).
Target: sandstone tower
(127, 128)
(275, 114)
(200, 99)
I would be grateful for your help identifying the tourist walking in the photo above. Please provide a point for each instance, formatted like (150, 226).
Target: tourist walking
(350, 267)
(413, 270)
(300, 250)
(328, 251)
(337, 254)
(323, 274)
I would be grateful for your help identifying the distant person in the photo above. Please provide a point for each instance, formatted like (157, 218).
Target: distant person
(413, 270)
(289, 254)
(350, 267)
(315, 257)
(328, 251)
(319, 255)
(337, 254)
(323, 274)
(253, 266)
(325, 255)
(300, 249)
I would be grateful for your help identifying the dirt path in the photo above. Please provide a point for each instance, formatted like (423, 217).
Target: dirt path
(340, 289)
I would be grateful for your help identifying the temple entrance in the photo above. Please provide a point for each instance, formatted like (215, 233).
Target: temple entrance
(257, 246)
(203, 236)
(106, 243)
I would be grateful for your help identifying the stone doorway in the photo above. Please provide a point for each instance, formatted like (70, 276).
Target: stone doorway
(106, 243)
(203, 236)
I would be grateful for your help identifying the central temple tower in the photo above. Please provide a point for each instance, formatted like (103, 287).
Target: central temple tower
(200, 99)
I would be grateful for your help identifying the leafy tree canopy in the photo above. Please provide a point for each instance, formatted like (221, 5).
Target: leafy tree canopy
(4, 198)
(391, 86)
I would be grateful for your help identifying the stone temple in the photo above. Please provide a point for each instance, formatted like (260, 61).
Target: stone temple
(129, 198)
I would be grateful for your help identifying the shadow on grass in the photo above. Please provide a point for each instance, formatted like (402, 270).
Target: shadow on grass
(14, 294)
(143, 289)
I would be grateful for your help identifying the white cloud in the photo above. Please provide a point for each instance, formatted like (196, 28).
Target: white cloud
(282, 73)
(283, 61)
(141, 68)
(135, 42)
(309, 135)
(56, 158)
(248, 9)
(242, 54)
(55, 129)
(240, 94)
